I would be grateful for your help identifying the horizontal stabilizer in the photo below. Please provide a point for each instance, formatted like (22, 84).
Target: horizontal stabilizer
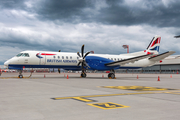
(161, 56)
(129, 60)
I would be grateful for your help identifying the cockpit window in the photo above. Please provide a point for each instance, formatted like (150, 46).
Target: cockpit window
(19, 55)
(25, 55)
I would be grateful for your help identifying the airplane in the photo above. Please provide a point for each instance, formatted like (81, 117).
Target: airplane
(88, 61)
(178, 36)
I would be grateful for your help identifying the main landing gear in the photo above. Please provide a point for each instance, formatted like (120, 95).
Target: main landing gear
(111, 75)
(83, 75)
(20, 74)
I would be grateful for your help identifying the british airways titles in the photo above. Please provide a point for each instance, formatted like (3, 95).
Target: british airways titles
(60, 61)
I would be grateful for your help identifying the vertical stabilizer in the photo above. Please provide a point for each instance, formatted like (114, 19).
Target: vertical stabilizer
(154, 45)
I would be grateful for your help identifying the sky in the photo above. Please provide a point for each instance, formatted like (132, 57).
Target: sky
(103, 26)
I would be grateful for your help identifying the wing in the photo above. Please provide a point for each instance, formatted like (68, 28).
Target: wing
(161, 56)
(129, 60)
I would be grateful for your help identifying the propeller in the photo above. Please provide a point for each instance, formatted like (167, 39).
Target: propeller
(82, 58)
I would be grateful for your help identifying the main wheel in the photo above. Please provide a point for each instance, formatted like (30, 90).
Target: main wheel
(83, 75)
(111, 75)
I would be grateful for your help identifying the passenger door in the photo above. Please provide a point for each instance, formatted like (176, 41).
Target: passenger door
(42, 60)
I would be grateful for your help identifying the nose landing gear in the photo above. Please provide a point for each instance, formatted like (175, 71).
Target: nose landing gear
(20, 74)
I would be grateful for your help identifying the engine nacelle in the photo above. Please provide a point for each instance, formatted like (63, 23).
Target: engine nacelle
(97, 63)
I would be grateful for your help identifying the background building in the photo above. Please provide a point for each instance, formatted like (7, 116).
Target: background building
(170, 64)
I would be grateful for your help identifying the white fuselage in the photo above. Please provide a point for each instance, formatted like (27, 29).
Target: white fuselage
(46, 59)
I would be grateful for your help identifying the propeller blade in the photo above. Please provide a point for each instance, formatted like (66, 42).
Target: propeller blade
(79, 63)
(59, 70)
(78, 54)
(82, 50)
(82, 60)
(82, 67)
(85, 64)
(86, 54)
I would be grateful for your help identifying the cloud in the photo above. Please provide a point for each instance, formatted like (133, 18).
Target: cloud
(12, 4)
(161, 13)
(69, 37)
(154, 13)
(7, 52)
(64, 10)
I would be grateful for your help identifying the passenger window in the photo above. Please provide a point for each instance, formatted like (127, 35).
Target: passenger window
(54, 56)
(111, 58)
(66, 57)
(62, 57)
(58, 57)
(115, 59)
(77, 57)
(70, 57)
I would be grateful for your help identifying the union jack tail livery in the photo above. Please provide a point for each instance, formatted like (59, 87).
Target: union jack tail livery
(154, 45)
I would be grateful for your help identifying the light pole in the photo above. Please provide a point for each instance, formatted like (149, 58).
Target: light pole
(126, 46)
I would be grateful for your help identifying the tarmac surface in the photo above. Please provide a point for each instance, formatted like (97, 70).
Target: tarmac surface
(51, 96)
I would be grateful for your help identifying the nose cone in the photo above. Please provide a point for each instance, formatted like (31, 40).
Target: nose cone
(6, 63)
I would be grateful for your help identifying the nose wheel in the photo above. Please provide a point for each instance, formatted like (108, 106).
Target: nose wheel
(20, 74)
